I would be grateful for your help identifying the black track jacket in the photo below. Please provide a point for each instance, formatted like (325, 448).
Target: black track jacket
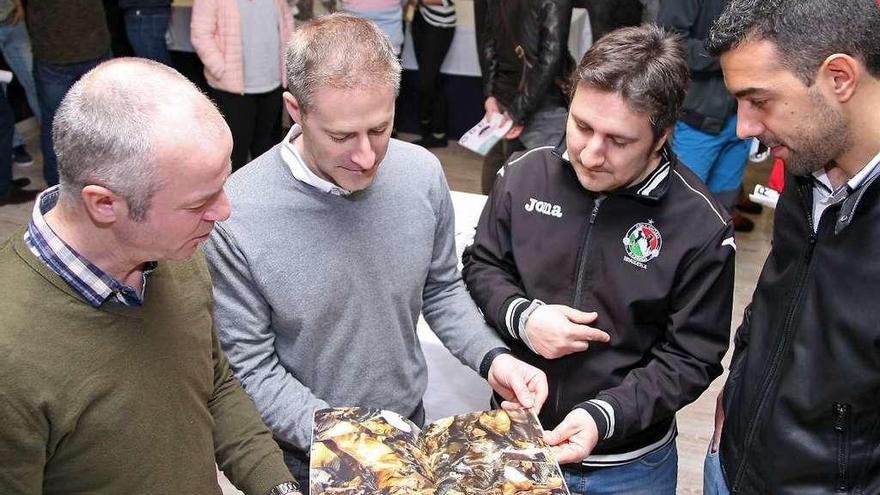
(655, 260)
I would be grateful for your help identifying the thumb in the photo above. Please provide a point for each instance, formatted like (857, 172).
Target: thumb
(578, 316)
(561, 433)
(521, 391)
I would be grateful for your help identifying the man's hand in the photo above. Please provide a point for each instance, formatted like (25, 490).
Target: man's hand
(520, 384)
(574, 438)
(719, 423)
(555, 330)
(491, 106)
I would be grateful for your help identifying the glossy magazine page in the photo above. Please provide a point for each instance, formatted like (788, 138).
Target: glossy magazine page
(369, 451)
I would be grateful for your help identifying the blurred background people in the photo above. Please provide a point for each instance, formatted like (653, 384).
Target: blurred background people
(69, 38)
(241, 44)
(433, 28)
(523, 51)
(387, 14)
(705, 136)
(16, 47)
(146, 22)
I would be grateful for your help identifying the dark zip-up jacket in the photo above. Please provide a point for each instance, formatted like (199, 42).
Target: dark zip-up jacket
(801, 402)
(655, 260)
(708, 104)
(523, 52)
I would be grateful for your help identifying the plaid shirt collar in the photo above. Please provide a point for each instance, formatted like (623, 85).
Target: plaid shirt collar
(94, 284)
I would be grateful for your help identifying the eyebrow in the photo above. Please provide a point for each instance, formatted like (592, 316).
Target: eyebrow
(346, 133)
(750, 92)
(612, 135)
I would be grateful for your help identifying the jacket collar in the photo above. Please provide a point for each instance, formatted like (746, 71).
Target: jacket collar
(853, 198)
(653, 187)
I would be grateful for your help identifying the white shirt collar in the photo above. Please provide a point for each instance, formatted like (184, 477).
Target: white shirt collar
(857, 180)
(301, 171)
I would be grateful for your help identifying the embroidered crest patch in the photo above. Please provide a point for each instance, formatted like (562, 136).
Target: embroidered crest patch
(642, 243)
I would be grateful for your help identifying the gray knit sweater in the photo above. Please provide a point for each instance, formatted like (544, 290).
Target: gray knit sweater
(317, 296)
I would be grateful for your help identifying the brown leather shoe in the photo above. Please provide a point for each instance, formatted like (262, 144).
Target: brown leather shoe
(18, 196)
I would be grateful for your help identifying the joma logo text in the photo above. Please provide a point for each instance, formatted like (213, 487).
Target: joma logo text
(544, 207)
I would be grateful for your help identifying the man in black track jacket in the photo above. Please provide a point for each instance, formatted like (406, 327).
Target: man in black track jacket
(800, 410)
(610, 266)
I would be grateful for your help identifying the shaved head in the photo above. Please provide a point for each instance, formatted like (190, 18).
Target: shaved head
(121, 121)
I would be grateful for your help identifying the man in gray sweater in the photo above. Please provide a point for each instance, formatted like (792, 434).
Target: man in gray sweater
(339, 238)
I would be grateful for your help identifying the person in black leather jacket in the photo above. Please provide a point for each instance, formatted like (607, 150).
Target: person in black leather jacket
(800, 410)
(523, 53)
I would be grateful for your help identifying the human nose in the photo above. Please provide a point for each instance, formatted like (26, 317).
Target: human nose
(593, 152)
(748, 125)
(220, 210)
(363, 155)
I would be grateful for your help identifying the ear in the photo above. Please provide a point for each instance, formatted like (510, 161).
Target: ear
(661, 142)
(841, 74)
(102, 204)
(293, 107)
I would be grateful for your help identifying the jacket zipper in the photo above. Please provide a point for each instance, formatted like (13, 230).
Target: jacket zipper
(752, 429)
(579, 284)
(841, 427)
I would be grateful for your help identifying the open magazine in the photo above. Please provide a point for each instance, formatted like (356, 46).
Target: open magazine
(371, 451)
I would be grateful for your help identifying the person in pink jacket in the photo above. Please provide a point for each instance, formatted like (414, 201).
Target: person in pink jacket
(241, 44)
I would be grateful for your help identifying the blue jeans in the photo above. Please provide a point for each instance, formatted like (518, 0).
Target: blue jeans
(7, 124)
(718, 159)
(146, 32)
(654, 474)
(16, 48)
(713, 475)
(53, 82)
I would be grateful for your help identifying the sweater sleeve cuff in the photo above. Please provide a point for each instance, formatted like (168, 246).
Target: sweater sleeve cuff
(487, 360)
(603, 415)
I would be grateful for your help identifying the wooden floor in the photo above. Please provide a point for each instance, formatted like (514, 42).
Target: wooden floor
(462, 169)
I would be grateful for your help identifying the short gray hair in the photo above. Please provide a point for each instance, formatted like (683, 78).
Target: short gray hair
(805, 32)
(645, 65)
(341, 51)
(107, 127)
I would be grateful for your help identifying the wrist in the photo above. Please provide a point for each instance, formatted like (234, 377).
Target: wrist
(489, 358)
(285, 488)
(603, 415)
(522, 324)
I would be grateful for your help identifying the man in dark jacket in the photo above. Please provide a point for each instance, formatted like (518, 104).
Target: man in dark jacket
(610, 232)
(800, 409)
(705, 136)
(523, 52)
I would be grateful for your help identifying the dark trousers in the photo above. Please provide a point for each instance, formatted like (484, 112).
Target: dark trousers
(495, 159)
(255, 121)
(146, 29)
(431, 44)
(53, 82)
(7, 126)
